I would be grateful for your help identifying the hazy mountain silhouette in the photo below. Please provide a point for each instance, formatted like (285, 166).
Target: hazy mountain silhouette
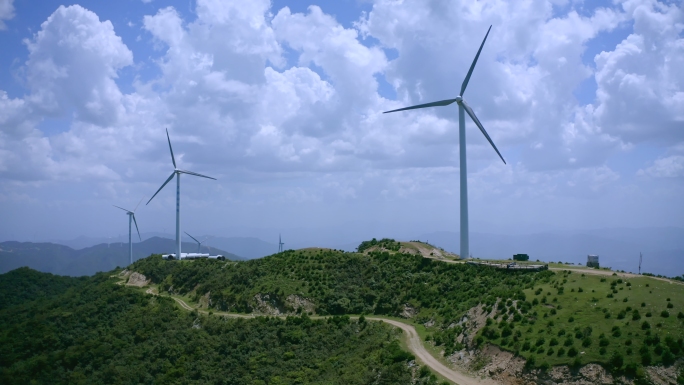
(63, 260)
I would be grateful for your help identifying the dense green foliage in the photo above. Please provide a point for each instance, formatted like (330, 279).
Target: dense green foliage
(100, 332)
(385, 243)
(24, 284)
(526, 317)
(342, 283)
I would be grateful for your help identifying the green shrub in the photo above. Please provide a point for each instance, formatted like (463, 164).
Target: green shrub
(646, 358)
(664, 313)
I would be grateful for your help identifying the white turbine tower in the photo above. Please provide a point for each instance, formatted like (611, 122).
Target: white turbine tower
(131, 218)
(177, 173)
(199, 244)
(463, 108)
(280, 244)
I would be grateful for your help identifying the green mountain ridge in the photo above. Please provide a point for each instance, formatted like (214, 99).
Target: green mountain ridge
(69, 330)
(540, 316)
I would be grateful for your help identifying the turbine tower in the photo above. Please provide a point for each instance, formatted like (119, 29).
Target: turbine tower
(640, 257)
(463, 108)
(199, 244)
(280, 244)
(177, 173)
(131, 218)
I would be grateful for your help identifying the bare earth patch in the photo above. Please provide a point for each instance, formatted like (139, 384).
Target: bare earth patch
(297, 302)
(266, 305)
(137, 279)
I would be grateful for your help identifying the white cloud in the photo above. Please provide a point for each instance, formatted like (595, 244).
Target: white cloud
(6, 12)
(640, 83)
(522, 87)
(73, 61)
(312, 129)
(668, 167)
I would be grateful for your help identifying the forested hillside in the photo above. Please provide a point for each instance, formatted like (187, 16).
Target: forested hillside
(342, 283)
(548, 318)
(101, 332)
(23, 284)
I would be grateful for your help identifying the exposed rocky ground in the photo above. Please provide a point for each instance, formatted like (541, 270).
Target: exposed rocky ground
(137, 279)
(506, 368)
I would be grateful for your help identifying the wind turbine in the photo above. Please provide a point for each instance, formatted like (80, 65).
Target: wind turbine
(177, 173)
(463, 108)
(199, 244)
(640, 257)
(280, 244)
(131, 218)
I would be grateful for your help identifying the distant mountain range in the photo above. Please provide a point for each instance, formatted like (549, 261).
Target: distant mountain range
(662, 248)
(64, 260)
(245, 247)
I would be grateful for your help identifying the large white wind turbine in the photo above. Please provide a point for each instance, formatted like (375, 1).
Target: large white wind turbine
(463, 108)
(131, 218)
(177, 173)
(199, 244)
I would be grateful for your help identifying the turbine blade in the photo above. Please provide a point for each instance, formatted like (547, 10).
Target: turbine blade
(162, 186)
(195, 174)
(472, 66)
(136, 226)
(136, 206)
(479, 125)
(191, 237)
(121, 208)
(170, 149)
(433, 104)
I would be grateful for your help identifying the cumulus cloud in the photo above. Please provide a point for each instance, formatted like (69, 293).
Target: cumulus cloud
(251, 93)
(640, 94)
(668, 167)
(73, 61)
(6, 12)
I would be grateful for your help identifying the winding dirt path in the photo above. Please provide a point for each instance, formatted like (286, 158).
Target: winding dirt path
(415, 345)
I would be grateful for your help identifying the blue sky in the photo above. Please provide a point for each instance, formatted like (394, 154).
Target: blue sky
(282, 101)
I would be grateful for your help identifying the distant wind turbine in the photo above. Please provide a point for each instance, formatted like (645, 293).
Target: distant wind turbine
(177, 173)
(280, 244)
(131, 218)
(199, 244)
(463, 108)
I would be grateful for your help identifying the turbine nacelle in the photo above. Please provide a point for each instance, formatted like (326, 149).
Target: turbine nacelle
(460, 101)
(176, 170)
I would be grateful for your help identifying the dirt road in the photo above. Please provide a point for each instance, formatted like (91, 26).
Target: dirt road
(617, 274)
(415, 345)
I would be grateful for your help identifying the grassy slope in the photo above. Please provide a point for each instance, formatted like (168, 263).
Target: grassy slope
(591, 308)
